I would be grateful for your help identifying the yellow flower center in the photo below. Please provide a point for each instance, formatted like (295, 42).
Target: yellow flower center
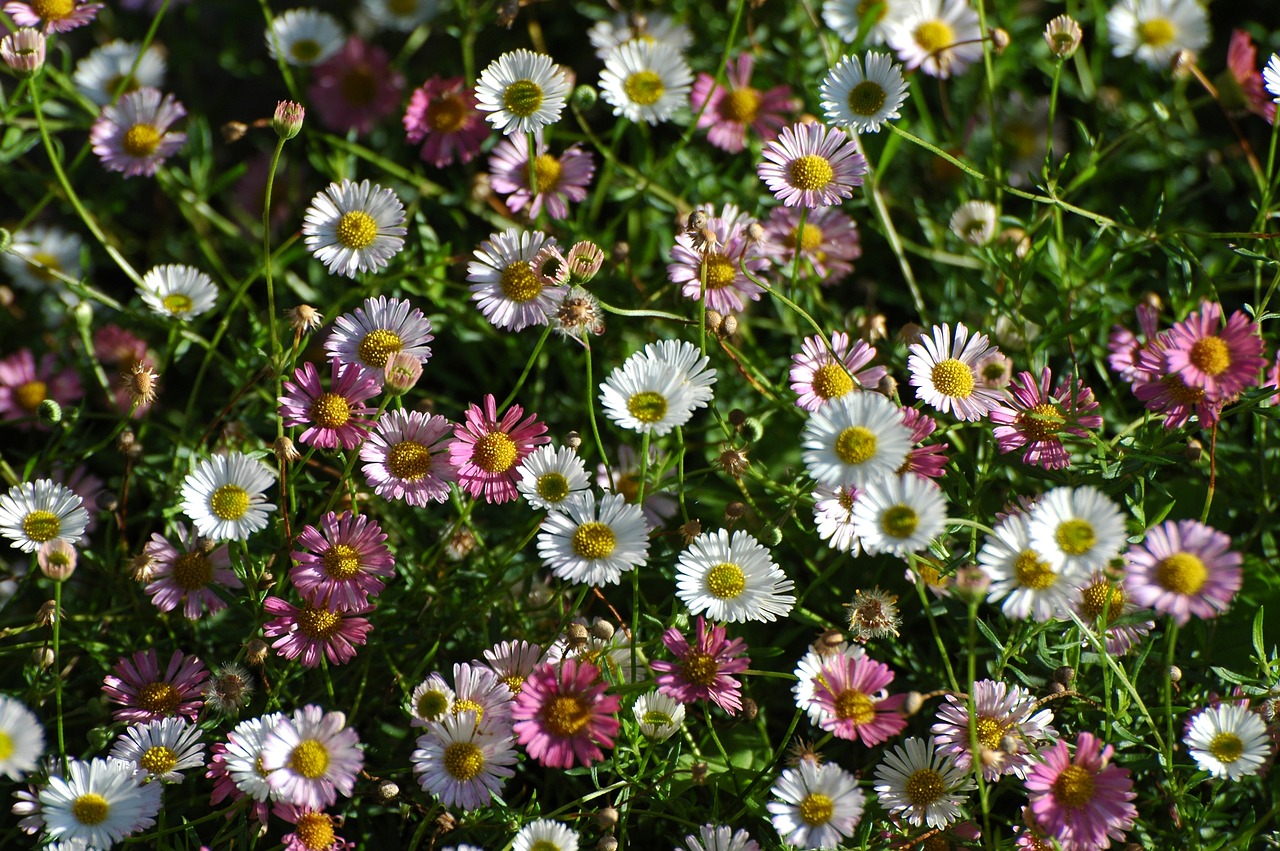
(810, 172)
(6, 746)
(718, 271)
(831, 381)
(446, 114)
(229, 502)
(341, 561)
(90, 808)
(318, 624)
(1180, 392)
(47, 263)
(1033, 573)
(1182, 573)
(141, 140)
(740, 106)
(378, 345)
(30, 394)
(867, 98)
(565, 715)
(933, 36)
(924, 786)
(432, 705)
(700, 669)
(952, 378)
(315, 831)
(990, 732)
(546, 173)
(522, 98)
(495, 452)
(853, 705)
(1226, 747)
(178, 303)
(657, 719)
(52, 10)
(1074, 787)
(805, 238)
(356, 229)
(1041, 422)
(816, 809)
(159, 698)
(330, 410)
(409, 461)
(553, 487)
(305, 50)
(594, 540)
(158, 759)
(41, 525)
(519, 282)
(545, 845)
(855, 445)
(648, 406)
(1075, 537)
(1100, 596)
(310, 758)
(514, 682)
(402, 7)
(900, 521)
(644, 88)
(725, 580)
(463, 760)
(1211, 355)
(192, 571)
(1156, 32)
(464, 705)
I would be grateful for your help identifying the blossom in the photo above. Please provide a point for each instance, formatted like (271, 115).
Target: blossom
(26, 382)
(223, 496)
(21, 739)
(659, 388)
(132, 136)
(97, 804)
(727, 113)
(712, 271)
(1079, 528)
(39, 254)
(1081, 801)
(33, 513)
(1153, 31)
(705, 669)
(900, 514)
(1101, 603)
(406, 457)
(556, 180)
(819, 374)
(1183, 568)
(732, 579)
(863, 100)
(645, 80)
(162, 749)
(462, 763)
(312, 756)
(311, 632)
(849, 692)
(659, 715)
(833, 516)
(513, 662)
(188, 577)
(940, 37)
(1220, 361)
(592, 543)
(58, 16)
(922, 783)
(810, 165)
(623, 27)
(505, 285)
(817, 806)
(550, 476)
(354, 227)
(1033, 420)
(337, 418)
(928, 461)
(109, 70)
(719, 837)
(974, 222)
(855, 439)
(487, 451)
(177, 291)
(343, 563)
(1029, 583)
(379, 328)
(442, 115)
(145, 694)
(401, 15)
(544, 835)
(522, 91)
(1006, 721)
(563, 716)
(355, 88)
(1250, 86)
(1228, 741)
(304, 36)
(944, 371)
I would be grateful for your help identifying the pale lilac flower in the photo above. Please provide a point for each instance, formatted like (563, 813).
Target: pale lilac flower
(819, 374)
(1183, 568)
(442, 115)
(57, 16)
(132, 136)
(407, 457)
(558, 179)
(810, 165)
(312, 756)
(828, 241)
(185, 577)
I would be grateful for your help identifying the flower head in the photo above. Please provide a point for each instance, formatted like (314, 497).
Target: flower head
(334, 418)
(145, 694)
(849, 692)
(312, 756)
(461, 762)
(863, 100)
(705, 669)
(819, 375)
(21, 739)
(1228, 741)
(545, 835)
(810, 165)
(57, 16)
(224, 496)
(940, 37)
(1222, 361)
(33, 513)
(97, 804)
(592, 543)
(304, 36)
(645, 80)
(355, 88)
(311, 632)
(900, 514)
(407, 457)
(442, 115)
(710, 269)
(354, 227)
(727, 113)
(1033, 420)
(732, 579)
(343, 563)
(24, 50)
(132, 136)
(944, 371)
(1183, 568)
(817, 806)
(1250, 89)
(1006, 721)
(659, 388)
(854, 439)
(556, 180)
(162, 749)
(1077, 528)
(487, 451)
(659, 715)
(550, 477)
(1153, 31)
(922, 783)
(106, 71)
(719, 837)
(506, 287)
(1082, 801)
(522, 91)
(827, 240)
(563, 716)
(188, 577)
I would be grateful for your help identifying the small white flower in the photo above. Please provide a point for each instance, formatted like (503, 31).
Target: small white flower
(944, 371)
(402, 15)
(35, 512)
(594, 544)
(1029, 585)
(304, 36)
(818, 806)
(545, 835)
(99, 75)
(899, 515)
(845, 17)
(1271, 76)
(163, 748)
(659, 715)
(243, 756)
(505, 286)
(940, 37)
(720, 837)
(224, 498)
(1154, 31)
(177, 291)
(97, 804)
(549, 476)
(1229, 741)
(430, 701)
(863, 100)
(855, 439)
(522, 91)
(312, 756)
(462, 763)
(354, 227)
(833, 514)
(974, 222)
(21, 739)
(654, 390)
(1078, 530)
(645, 81)
(921, 784)
(651, 26)
(54, 249)
(732, 580)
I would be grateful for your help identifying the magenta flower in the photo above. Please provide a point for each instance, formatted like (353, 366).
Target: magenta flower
(727, 289)
(355, 88)
(442, 115)
(1082, 802)
(311, 632)
(828, 241)
(926, 461)
(559, 179)
(810, 165)
(1125, 346)
(57, 16)
(1183, 568)
(343, 566)
(336, 417)
(311, 825)
(133, 137)
(1166, 393)
(1222, 361)
(727, 113)
(848, 692)
(819, 374)
(1032, 420)
(24, 385)
(705, 669)
(486, 450)
(186, 577)
(1008, 724)
(405, 457)
(1242, 62)
(144, 695)
(563, 717)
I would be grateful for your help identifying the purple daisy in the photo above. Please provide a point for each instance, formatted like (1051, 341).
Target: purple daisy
(355, 88)
(727, 288)
(563, 716)
(24, 384)
(726, 114)
(1183, 568)
(380, 328)
(926, 461)
(1033, 419)
(819, 374)
(1165, 392)
(442, 115)
(849, 692)
(487, 450)
(559, 179)
(406, 457)
(1222, 361)
(1005, 722)
(57, 16)
(336, 418)
(1084, 801)
(476, 688)
(828, 241)
(311, 633)
(1125, 346)
(186, 576)
(505, 284)
(944, 371)
(145, 695)
(705, 669)
(810, 165)
(133, 137)
(343, 565)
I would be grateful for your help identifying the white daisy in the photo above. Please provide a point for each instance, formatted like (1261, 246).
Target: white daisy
(651, 26)
(522, 91)
(899, 515)
(1154, 31)
(845, 17)
(545, 835)
(690, 362)
(354, 227)
(1271, 76)
(163, 748)
(940, 37)
(177, 291)
(506, 288)
(732, 580)
(430, 701)
(944, 371)
(55, 250)
(974, 222)
(35, 512)
(590, 543)
(305, 36)
(1077, 529)
(1229, 741)
(402, 15)
(819, 805)
(223, 496)
(650, 393)
(312, 756)
(713, 837)
(243, 755)
(833, 514)
(659, 715)
(99, 75)
(921, 784)
(809, 669)
(549, 476)
(645, 81)
(98, 803)
(370, 334)
(21, 739)
(1029, 584)
(462, 763)
(863, 100)
(856, 439)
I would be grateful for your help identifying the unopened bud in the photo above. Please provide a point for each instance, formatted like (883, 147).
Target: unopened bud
(388, 791)
(585, 97)
(913, 703)
(57, 559)
(255, 651)
(1065, 675)
(737, 417)
(697, 221)
(1063, 36)
(1175, 673)
(607, 843)
(42, 657)
(770, 536)
(24, 51)
(1057, 688)
(288, 119)
(728, 327)
(401, 373)
(621, 251)
(999, 39)
(602, 629)
(606, 818)
(829, 642)
(713, 322)
(49, 412)
(734, 511)
(750, 709)
(106, 501)
(576, 634)
(573, 440)
(752, 430)
(888, 387)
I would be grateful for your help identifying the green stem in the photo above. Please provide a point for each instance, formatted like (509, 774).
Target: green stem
(528, 367)
(57, 670)
(266, 267)
(591, 415)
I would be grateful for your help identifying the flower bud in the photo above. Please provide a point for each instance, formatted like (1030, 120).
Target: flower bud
(24, 51)
(255, 651)
(234, 131)
(573, 440)
(57, 559)
(49, 413)
(1063, 36)
(287, 121)
(585, 97)
(728, 327)
(913, 703)
(401, 373)
(752, 429)
(1064, 675)
(770, 536)
(607, 843)
(576, 635)
(388, 791)
(602, 629)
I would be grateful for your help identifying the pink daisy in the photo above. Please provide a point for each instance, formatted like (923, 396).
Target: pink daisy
(1222, 361)
(926, 461)
(476, 688)
(1033, 419)
(848, 693)
(145, 695)
(1100, 596)
(132, 136)
(1183, 568)
(559, 179)
(727, 113)
(513, 662)
(1007, 725)
(1083, 802)
(442, 115)
(727, 288)
(1124, 345)
(819, 374)
(1166, 393)
(24, 385)
(186, 577)
(116, 346)
(944, 371)
(487, 451)
(563, 716)
(1242, 62)
(705, 670)
(313, 829)
(355, 88)
(810, 165)
(312, 633)
(405, 457)
(57, 16)
(343, 565)
(311, 757)
(337, 417)
(828, 241)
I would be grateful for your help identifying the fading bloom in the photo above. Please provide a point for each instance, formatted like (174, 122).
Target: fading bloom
(311, 632)
(850, 692)
(705, 669)
(1063, 35)
(342, 564)
(522, 91)
(312, 756)
(819, 374)
(922, 783)
(355, 88)
(817, 806)
(563, 716)
(944, 371)
(1004, 720)
(144, 694)
(659, 715)
(1033, 420)
(1183, 568)
(863, 100)
(810, 165)
(645, 81)
(506, 287)
(354, 227)
(57, 16)
(223, 496)
(1154, 31)
(1082, 801)
(406, 457)
(337, 418)
(487, 451)
(727, 113)
(1228, 741)
(557, 180)
(442, 115)
(873, 614)
(132, 136)
(185, 577)
(940, 37)
(304, 37)
(623, 27)
(827, 240)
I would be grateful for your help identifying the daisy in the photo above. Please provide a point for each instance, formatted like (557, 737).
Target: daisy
(845, 18)
(921, 783)
(1084, 801)
(356, 88)
(506, 288)
(712, 837)
(132, 136)
(240, 772)
(1030, 585)
(727, 113)
(854, 439)
(513, 662)
(1223, 361)
(334, 418)
(563, 715)
(926, 461)
(180, 292)
(38, 252)
(1005, 723)
(57, 16)
(810, 165)
(384, 326)
(24, 51)
(430, 701)
(1228, 741)
(311, 757)
(827, 240)
(1100, 602)
(659, 715)
(733, 579)
(558, 180)
(406, 457)
(97, 804)
(974, 222)
(26, 383)
(1183, 568)
(850, 694)
(705, 669)
(223, 496)
(354, 227)
(162, 749)
(658, 389)
(863, 100)
(1153, 31)
(819, 374)
(1033, 420)
(833, 515)
(522, 91)
(1078, 529)
(714, 271)
(343, 565)
(304, 36)
(21, 739)
(313, 829)
(487, 450)
(1165, 392)
(478, 689)
(1249, 93)
(645, 80)
(401, 15)
(944, 372)
(311, 633)
(461, 763)
(188, 577)
(110, 70)
(899, 515)
(817, 806)
(623, 27)
(549, 477)
(940, 37)
(590, 544)
(146, 695)
(545, 835)
(1271, 76)
(33, 513)
(442, 115)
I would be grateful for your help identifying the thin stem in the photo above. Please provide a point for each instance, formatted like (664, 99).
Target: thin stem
(57, 670)
(528, 367)
(266, 267)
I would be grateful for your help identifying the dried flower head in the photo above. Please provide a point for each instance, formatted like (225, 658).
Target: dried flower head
(304, 318)
(140, 383)
(873, 614)
(229, 688)
(285, 451)
(578, 315)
